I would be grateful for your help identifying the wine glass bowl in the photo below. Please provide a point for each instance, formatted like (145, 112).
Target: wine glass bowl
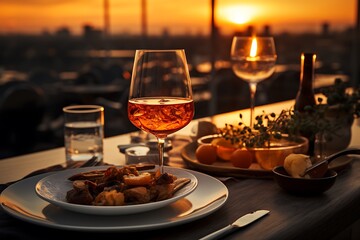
(160, 97)
(160, 116)
(253, 60)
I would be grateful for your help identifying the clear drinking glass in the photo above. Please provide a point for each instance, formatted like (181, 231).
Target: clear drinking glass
(160, 97)
(253, 60)
(84, 132)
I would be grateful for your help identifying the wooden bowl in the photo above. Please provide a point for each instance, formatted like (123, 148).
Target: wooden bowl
(266, 157)
(303, 186)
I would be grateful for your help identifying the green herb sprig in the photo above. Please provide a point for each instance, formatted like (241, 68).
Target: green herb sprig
(266, 127)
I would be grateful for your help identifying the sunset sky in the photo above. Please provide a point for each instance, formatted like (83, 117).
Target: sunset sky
(185, 16)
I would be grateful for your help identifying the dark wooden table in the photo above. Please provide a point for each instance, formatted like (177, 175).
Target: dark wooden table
(291, 217)
(334, 214)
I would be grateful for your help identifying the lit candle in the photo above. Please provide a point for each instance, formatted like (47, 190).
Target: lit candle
(253, 51)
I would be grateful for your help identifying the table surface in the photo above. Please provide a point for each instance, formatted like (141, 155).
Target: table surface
(291, 217)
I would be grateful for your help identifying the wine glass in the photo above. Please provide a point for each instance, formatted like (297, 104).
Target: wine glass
(160, 97)
(253, 60)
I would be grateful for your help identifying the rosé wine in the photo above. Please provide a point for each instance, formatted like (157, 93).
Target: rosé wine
(160, 116)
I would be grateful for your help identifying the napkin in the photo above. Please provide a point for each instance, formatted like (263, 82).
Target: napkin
(204, 128)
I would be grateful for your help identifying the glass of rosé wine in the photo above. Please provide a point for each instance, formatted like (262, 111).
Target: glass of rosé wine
(160, 97)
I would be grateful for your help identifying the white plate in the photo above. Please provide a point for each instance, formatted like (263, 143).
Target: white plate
(209, 196)
(53, 189)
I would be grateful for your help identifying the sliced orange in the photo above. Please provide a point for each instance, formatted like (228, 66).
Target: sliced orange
(222, 142)
(270, 158)
(224, 148)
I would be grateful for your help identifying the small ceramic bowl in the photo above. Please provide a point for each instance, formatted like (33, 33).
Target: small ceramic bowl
(304, 186)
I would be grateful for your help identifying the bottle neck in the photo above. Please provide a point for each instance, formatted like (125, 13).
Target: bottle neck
(307, 71)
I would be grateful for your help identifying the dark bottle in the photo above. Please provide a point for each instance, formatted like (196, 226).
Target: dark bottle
(305, 95)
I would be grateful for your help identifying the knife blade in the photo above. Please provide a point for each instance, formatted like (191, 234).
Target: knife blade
(240, 222)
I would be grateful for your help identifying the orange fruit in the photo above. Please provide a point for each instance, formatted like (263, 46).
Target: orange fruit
(270, 158)
(221, 142)
(224, 153)
(224, 148)
(241, 158)
(206, 154)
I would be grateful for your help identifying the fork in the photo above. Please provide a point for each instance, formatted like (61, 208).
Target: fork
(93, 161)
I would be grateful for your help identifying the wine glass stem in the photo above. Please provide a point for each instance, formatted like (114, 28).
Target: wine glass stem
(252, 102)
(161, 144)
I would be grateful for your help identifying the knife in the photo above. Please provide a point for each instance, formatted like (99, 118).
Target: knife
(241, 222)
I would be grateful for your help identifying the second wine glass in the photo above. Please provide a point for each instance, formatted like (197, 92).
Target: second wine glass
(253, 60)
(160, 97)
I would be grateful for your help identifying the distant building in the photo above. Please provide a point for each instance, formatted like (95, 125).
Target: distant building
(250, 31)
(63, 32)
(90, 32)
(325, 29)
(266, 31)
(45, 33)
(165, 33)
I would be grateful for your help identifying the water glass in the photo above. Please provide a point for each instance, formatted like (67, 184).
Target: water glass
(83, 132)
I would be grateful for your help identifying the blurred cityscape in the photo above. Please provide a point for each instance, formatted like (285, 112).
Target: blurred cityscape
(40, 74)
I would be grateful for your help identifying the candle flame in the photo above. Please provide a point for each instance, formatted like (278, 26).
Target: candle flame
(253, 49)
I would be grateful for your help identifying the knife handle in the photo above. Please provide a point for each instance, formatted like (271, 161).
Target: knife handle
(219, 233)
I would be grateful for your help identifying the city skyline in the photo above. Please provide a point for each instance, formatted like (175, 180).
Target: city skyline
(37, 16)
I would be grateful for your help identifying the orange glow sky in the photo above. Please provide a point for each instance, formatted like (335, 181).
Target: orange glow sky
(185, 16)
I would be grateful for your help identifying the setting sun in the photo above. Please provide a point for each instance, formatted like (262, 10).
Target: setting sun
(187, 16)
(239, 14)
